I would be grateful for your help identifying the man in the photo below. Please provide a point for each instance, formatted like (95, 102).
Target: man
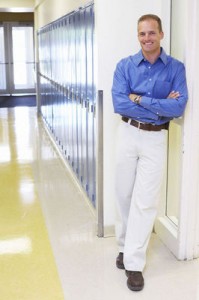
(149, 89)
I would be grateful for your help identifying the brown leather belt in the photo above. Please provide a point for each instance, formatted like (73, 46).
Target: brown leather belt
(146, 126)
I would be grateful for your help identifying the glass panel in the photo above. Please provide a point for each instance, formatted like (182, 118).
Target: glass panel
(174, 171)
(23, 57)
(2, 60)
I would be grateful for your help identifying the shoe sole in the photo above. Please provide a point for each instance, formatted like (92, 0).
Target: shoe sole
(135, 289)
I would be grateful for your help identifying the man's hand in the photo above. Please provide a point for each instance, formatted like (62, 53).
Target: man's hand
(132, 96)
(174, 95)
(135, 98)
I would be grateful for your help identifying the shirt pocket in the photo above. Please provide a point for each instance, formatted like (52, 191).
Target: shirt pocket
(161, 89)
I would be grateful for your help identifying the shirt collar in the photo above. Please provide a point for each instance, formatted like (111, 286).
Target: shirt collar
(138, 58)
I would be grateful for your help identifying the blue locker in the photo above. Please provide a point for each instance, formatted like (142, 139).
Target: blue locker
(67, 87)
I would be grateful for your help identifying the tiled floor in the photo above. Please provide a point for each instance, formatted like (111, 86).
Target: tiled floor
(27, 267)
(48, 244)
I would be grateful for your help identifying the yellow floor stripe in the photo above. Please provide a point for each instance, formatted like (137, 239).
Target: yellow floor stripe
(27, 265)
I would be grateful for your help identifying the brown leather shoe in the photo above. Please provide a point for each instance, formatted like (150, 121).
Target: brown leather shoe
(135, 281)
(119, 261)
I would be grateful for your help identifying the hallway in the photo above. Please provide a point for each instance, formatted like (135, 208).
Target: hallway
(48, 244)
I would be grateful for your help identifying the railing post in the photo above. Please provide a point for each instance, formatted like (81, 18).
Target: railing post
(99, 164)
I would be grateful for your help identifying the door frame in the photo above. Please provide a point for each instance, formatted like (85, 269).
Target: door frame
(9, 64)
(183, 239)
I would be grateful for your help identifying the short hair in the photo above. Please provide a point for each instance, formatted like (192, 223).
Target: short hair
(151, 17)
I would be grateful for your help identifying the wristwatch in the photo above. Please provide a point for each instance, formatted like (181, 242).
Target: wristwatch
(137, 99)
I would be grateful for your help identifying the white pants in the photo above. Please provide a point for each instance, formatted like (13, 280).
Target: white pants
(140, 166)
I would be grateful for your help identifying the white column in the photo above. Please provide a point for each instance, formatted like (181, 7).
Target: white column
(189, 224)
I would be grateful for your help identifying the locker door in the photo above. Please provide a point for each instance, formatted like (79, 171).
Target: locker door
(83, 100)
(91, 101)
(70, 91)
(74, 89)
(78, 90)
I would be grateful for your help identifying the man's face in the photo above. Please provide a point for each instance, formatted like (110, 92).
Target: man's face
(149, 36)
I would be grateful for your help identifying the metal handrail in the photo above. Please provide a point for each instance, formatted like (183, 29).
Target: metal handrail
(99, 165)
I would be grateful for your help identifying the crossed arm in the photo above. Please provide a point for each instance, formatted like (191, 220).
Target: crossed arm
(137, 98)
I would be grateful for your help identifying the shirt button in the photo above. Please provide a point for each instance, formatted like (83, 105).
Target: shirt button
(149, 93)
(150, 79)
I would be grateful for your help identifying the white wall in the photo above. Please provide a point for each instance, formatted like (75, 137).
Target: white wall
(116, 35)
(47, 11)
(17, 3)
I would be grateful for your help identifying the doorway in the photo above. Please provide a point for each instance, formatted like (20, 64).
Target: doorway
(17, 58)
(177, 222)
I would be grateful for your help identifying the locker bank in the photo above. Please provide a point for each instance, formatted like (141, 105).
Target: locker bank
(57, 238)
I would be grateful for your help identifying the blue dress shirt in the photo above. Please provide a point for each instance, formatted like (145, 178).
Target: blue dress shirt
(154, 82)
